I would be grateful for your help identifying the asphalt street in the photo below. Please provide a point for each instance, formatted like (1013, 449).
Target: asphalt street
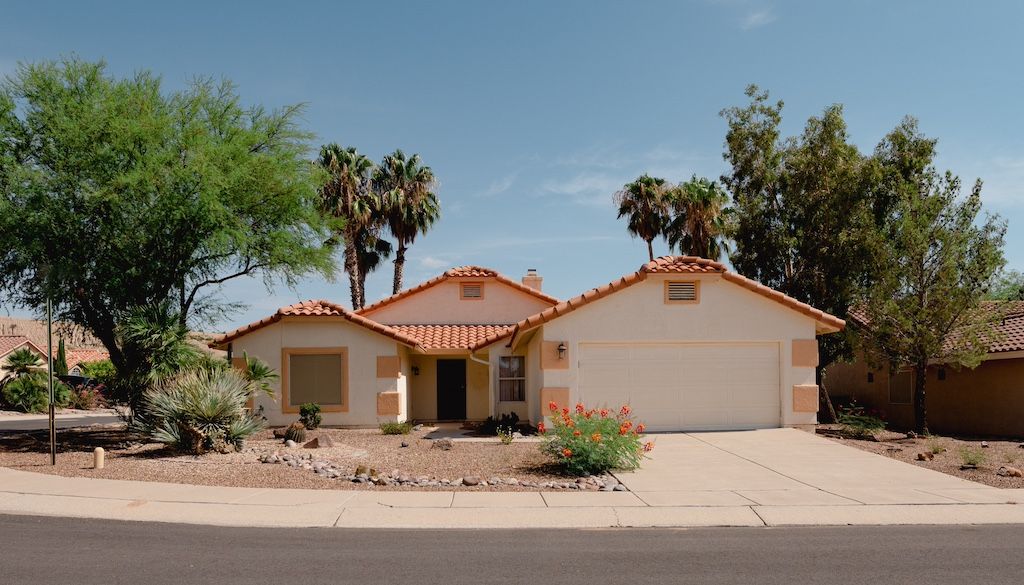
(64, 421)
(57, 550)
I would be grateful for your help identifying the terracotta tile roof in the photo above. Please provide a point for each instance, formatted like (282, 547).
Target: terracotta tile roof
(664, 265)
(315, 308)
(9, 343)
(459, 272)
(74, 357)
(450, 336)
(1007, 325)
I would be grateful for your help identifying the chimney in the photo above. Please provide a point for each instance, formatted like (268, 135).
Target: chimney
(532, 280)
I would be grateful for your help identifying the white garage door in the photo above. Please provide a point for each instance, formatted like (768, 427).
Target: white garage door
(685, 386)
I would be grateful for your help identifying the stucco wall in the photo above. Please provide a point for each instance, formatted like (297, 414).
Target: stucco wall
(423, 388)
(363, 348)
(726, 312)
(440, 304)
(987, 401)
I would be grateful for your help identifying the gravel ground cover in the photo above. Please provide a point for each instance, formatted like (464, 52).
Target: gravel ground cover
(946, 454)
(132, 458)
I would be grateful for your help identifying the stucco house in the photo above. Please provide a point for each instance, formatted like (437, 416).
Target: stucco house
(984, 401)
(689, 344)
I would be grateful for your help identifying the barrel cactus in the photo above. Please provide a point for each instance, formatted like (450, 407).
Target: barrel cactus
(295, 432)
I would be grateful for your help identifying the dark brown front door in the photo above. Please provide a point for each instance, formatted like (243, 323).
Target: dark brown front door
(451, 389)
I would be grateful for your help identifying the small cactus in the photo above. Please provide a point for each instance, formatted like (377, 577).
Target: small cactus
(295, 432)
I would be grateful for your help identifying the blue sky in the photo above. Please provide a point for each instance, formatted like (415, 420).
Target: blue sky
(533, 113)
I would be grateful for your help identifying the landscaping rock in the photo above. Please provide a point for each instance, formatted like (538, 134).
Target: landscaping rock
(320, 442)
(471, 480)
(279, 433)
(984, 444)
(443, 444)
(925, 456)
(620, 488)
(1007, 471)
(290, 444)
(404, 444)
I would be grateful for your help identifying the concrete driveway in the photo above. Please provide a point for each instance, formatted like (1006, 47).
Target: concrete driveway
(786, 467)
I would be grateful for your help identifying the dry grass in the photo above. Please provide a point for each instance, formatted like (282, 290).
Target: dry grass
(130, 458)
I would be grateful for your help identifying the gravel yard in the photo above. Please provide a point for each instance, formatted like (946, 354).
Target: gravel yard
(129, 458)
(947, 455)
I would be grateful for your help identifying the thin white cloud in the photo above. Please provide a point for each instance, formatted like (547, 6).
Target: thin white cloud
(433, 262)
(499, 186)
(757, 18)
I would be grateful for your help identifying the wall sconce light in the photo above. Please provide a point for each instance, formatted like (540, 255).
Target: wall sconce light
(415, 370)
(561, 350)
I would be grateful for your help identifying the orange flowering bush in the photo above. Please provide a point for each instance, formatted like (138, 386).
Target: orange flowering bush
(590, 441)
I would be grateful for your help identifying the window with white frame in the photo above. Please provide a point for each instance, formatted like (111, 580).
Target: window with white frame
(512, 378)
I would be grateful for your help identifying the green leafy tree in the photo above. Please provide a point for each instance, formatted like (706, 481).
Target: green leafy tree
(60, 365)
(408, 202)
(116, 195)
(644, 204)
(699, 218)
(938, 260)
(1007, 286)
(803, 212)
(348, 199)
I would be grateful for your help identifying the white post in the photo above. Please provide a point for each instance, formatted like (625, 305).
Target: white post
(97, 458)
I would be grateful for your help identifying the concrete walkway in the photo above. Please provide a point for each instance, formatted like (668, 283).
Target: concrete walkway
(37, 422)
(758, 478)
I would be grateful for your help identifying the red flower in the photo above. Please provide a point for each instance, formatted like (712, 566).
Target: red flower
(565, 411)
(604, 413)
(627, 425)
(566, 452)
(576, 433)
(625, 410)
(596, 437)
(623, 430)
(648, 447)
(541, 428)
(640, 428)
(553, 406)
(580, 408)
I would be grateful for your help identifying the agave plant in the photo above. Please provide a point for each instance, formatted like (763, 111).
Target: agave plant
(199, 410)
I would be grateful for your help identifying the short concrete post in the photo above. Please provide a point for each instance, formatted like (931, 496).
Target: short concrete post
(97, 458)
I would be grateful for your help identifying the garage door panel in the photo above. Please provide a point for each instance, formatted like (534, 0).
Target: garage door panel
(685, 386)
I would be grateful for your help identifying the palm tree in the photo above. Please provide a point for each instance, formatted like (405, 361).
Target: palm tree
(700, 218)
(21, 362)
(643, 203)
(346, 197)
(371, 252)
(409, 204)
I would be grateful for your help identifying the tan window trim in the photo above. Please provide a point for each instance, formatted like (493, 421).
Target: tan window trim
(286, 354)
(462, 291)
(696, 292)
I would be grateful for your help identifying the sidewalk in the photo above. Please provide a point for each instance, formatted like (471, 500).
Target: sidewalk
(41, 494)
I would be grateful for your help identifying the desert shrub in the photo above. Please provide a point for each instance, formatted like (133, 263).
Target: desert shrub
(309, 415)
(102, 371)
(972, 456)
(30, 393)
(934, 445)
(859, 423)
(295, 432)
(200, 410)
(586, 442)
(491, 426)
(506, 435)
(87, 397)
(395, 428)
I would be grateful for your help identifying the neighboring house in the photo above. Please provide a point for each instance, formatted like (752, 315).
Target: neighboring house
(985, 401)
(11, 343)
(687, 343)
(77, 358)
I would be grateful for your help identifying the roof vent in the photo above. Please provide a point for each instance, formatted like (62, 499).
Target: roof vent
(681, 291)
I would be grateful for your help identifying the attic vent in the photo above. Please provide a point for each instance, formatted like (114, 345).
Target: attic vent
(471, 290)
(677, 291)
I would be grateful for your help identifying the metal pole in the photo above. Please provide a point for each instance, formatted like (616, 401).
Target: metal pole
(49, 371)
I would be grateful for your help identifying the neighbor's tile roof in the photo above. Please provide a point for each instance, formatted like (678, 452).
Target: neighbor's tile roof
(450, 336)
(459, 272)
(1007, 325)
(85, 356)
(9, 343)
(663, 265)
(315, 308)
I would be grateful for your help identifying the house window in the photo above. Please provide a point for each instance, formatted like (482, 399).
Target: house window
(317, 375)
(471, 291)
(901, 387)
(682, 291)
(871, 377)
(512, 378)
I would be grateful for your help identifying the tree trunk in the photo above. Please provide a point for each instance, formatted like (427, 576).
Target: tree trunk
(650, 250)
(352, 268)
(399, 267)
(920, 411)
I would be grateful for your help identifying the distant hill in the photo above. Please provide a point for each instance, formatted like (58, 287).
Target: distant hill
(76, 337)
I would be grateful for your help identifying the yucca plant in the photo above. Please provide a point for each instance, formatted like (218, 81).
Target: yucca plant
(199, 410)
